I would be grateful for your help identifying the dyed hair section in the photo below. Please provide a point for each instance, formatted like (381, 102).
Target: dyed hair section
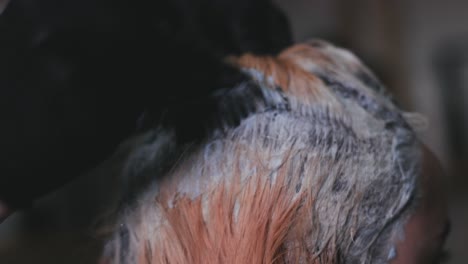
(325, 171)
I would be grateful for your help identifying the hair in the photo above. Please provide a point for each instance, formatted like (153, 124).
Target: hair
(325, 171)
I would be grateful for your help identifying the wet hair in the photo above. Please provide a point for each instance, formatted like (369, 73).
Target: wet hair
(325, 170)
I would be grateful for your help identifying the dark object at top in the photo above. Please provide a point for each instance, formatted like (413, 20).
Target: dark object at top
(76, 76)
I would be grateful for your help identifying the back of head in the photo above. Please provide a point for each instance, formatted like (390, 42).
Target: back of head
(324, 171)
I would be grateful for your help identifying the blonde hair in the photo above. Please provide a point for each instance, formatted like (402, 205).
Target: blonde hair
(324, 171)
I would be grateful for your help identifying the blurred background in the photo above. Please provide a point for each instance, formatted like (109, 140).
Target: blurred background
(419, 49)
